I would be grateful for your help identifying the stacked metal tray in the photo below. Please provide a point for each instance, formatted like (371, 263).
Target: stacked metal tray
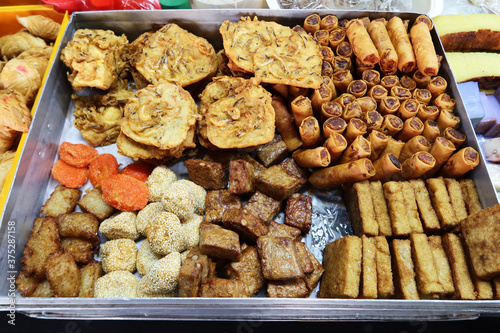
(33, 181)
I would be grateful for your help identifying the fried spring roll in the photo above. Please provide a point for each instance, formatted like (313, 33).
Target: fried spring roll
(312, 158)
(400, 92)
(330, 109)
(321, 95)
(387, 52)
(411, 127)
(385, 166)
(393, 147)
(441, 150)
(343, 23)
(460, 163)
(341, 63)
(367, 103)
(326, 68)
(301, 108)
(329, 22)
(447, 119)
(342, 173)
(392, 125)
(345, 99)
(431, 130)
(421, 79)
(357, 88)
(444, 101)
(455, 136)
(415, 144)
(310, 132)
(401, 41)
(337, 36)
(408, 83)
(363, 47)
(285, 125)
(361, 67)
(322, 36)
(357, 149)
(422, 95)
(281, 89)
(371, 77)
(336, 144)
(326, 53)
(408, 108)
(428, 112)
(334, 125)
(424, 18)
(373, 120)
(437, 85)
(312, 23)
(341, 79)
(352, 110)
(355, 128)
(329, 83)
(378, 141)
(427, 61)
(344, 49)
(417, 165)
(389, 81)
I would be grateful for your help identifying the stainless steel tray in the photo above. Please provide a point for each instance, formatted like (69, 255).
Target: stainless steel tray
(33, 178)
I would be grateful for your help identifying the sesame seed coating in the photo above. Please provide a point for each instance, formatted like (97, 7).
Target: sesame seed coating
(146, 258)
(199, 193)
(146, 215)
(192, 230)
(158, 182)
(163, 278)
(166, 234)
(118, 255)
(121, 225)
(179, 199)
(116, 284)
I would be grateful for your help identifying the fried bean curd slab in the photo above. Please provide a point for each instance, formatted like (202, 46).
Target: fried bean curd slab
(242, 120)
(174, 54)
(160, 115)
(274, 53)
(95, 58)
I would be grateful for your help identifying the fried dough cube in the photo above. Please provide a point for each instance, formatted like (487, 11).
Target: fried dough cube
(279, 258)
(296, 288)
(411, 207)
(241, 177)
(118, 255)
(121, 225)
(283, 230)
(484, 288)
(430, 221)
(194, 269)
(456, 198)
(464, 287)
(303, 257)
(43, 290)
(209, 174)
(217, 287)
(81, 249)
(397, 209)
(342, 264)
(158, 182)
(380, 208)
(43, 241)
(116, 284)
(162, 279)
(83, 225)
(146, 215)
(166, 234)
(262, 206)
(369, 268)
(298, 212)
(441, 202)
(281, 180)
(247, 225)
(63, 274)
(218, 242)
(404, 272)
(272, 152)
(359, 204)
(425, 269)
(63, 200)
(93, 203)
(258, 167)
(88, 277)
(247, 270)
(26, 285)
(217, 202)
(385, 281)
(146, 258)
(470, 195)
(442, 265)
(481, 232)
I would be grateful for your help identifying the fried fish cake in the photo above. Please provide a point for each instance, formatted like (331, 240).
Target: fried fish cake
(242, 120)
(174, 54)
(160, 116)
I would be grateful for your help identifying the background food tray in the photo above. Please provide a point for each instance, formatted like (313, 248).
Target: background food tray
(51, 126)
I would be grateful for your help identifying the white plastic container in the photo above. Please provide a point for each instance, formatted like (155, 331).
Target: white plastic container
(216, 4)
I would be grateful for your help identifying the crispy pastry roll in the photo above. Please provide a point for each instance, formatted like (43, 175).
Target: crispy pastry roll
(427, 61)
(339, 174)
(431, 130)
(392, 125)
(387, 53)
(411, 127)
(310, 132)
(408, 108)
(336, 144)
(344, 49)
(341, 63)
(329, 83)
(336, 37)
(460, 163)
(345, 99)
(341, 79)
(400, 92)
(373, 120)
(401, 41)
(437, 85)
(442, 149)
(393, 147)
(359, 148)
(326, 68)
(301, 108)
(285, 125)
(417, 165)
(455, 136)
(343, 23)
(327, 53)
(360, 67)
(312, 23)
(389, 81)
(357, 88)
(320, 96)
(367, 103)
(312, 158)
(378, 92)
(329, 22)
(281, 89)
(415, 144)
(352, 110)
(363, 47)
(294, 92)
(355, 127)
(424, 18)
(322, 37)
(371, 77)
(447, 119)
(421, 79)
(378, 141)
(334, 125)
(444, 101)
(385, 166)
(408, 83)
(330, 109)
(422, 95)
(428, 112)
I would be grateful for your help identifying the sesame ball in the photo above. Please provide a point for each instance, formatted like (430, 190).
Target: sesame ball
(146, 215)
(192, 230)
(116, 284)
(167, 235)
(121, 225)
(158, 182)
(146, 258)
(118, 255)
(162, 278)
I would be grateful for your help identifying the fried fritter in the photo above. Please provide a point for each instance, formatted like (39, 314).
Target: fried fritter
(173, 54)
(63, 274)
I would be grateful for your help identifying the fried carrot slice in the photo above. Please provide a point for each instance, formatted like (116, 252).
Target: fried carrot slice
(102, 167)
(69, 175)
(77, 154)
(125, 192)
(139, 170)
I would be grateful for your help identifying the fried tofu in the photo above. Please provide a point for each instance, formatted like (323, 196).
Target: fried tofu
(247, 270)
(380, 209)
(262, 206)
(63, 200)
(209, 174)
(82, 250)
(63, 274)
(247, 225)
(194, 269)
(342, 263)
(218, 242)
(429, 219)
(282, 180)
(93, 203)
(456, 198)
(441, 202)
(470, 195)
(359, 204)
(481, 232)
(298, 212)
(404, 269)
(43, 241)
(283, 230)
(369, 268)
(279, 258)
(82, 225)
(385, 281)
(272, 152)
(464, 287)
(241, 177)
(425, 268)
(296, 288)
(411, 207)
(397, 209)
(442, 264)
(218, 287)
(88, 276)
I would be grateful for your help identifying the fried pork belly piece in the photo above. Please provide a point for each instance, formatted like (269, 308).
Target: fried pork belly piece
(274, 53)
(241, 120)
(88, 276)
(94, 204)
(95, 58)
(62, 201)
(173, 54)
(165, 234)
(272, 152)
(118, 255)
(63, 274)
(158, 182)
(146, 258)
(162, 279)
(282, 180)
(117, 284)
(121, 225)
